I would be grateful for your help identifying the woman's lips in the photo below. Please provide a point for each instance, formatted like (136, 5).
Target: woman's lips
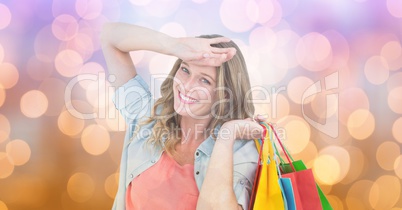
(186, 99)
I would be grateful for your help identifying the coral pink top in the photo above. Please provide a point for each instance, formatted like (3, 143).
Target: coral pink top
(165, 185)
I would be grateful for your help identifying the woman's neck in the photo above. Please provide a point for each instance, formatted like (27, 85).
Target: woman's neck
(194, 131)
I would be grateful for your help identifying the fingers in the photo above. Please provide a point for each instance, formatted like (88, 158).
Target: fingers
(257, 130)
(218, 52)
(212, 60)
(231, 53)
(223, 50)
(216, 57)
(259, 118)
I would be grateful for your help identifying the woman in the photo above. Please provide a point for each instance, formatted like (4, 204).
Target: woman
(192, 151)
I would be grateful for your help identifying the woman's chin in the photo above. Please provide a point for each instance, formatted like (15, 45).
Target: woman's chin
(183, 112)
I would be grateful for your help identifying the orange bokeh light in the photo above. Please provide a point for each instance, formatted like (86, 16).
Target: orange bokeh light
(297, 87)
(326, 169)
(376, 70)
(314, 52)
(8, 75)
(398, 166)
(385, 192)
(392, 52)
(5, 128)
(357, 164)
(357, 196)
(346, 108)
(296, 133)
(68, 63)
(2, 95)
(64, 27)
(386, 154)
(3, 206)
(18, 151)
(395, 100)
(95, 139)
(69, 124)
(111, 184)
(80, 187)
(7, 167)
(341, 165)
(361, 124)
(34, 104)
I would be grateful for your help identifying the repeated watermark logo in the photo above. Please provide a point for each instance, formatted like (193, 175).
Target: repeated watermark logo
(133, 96)
(331, 125)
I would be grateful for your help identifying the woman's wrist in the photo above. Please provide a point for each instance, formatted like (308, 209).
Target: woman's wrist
(227, 132)
(176, 47)
(169, 44)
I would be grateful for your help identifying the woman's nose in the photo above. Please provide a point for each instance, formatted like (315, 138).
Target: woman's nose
(189, 84)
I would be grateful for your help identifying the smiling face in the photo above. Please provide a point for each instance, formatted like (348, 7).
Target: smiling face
(194, 90)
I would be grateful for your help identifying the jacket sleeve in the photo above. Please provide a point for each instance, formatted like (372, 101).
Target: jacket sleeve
(245, 160)
(133, 100)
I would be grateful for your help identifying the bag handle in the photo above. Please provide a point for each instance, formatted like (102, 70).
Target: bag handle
(265, 147)
(268, 125)
(282, 161)
(259, 143)
(275, 154)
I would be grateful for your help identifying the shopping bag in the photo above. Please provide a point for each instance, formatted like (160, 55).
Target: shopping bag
(287, 193)
(267, 192)
(299, 166)
(305, 190)
(285, 183)
(303, 183)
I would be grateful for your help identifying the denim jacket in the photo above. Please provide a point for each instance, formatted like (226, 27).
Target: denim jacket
(133, 100)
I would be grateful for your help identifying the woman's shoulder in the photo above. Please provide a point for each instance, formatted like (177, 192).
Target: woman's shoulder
(136, 84)
(245, 151)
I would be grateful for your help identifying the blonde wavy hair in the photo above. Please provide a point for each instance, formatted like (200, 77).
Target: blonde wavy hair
(234, 100)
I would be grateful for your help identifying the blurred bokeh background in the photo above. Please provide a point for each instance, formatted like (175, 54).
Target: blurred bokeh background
(327, 73)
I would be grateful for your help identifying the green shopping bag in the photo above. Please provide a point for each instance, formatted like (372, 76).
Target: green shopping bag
(299, 165)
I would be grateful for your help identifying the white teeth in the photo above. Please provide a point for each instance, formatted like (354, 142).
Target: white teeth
(187, 98)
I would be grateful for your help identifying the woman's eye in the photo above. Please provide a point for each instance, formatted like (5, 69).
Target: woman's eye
(185, 70)
(205, 81)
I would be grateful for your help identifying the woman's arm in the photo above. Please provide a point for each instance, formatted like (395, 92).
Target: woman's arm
(118, 39)
(217, 189)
